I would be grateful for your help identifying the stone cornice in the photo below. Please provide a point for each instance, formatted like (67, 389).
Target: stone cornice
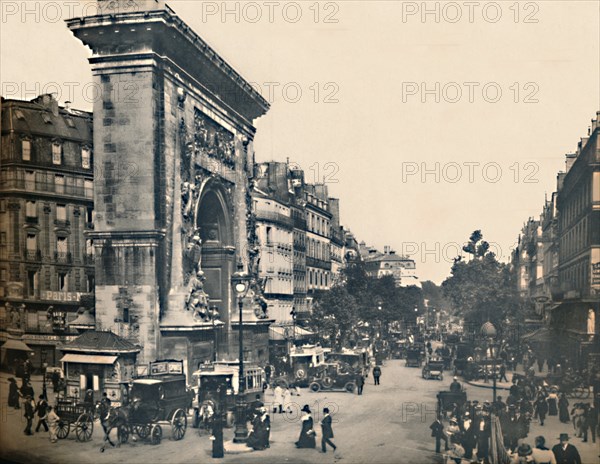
(134, 27)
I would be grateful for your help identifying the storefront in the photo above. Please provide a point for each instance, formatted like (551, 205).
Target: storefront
(98, 361)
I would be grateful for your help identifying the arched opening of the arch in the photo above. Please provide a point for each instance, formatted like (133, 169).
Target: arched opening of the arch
(218, 251)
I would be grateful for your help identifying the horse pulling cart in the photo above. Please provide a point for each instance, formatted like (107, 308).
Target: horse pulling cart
(157, 398)
(74, 414)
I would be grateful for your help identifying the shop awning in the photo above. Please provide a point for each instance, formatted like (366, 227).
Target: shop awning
(284, 333)
(18, 345)
(88, 359)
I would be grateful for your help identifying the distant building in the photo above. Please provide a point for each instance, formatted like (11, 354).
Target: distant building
(46, 203)
(401, 268)
(272, 202)
(578, 206)
(318, 230)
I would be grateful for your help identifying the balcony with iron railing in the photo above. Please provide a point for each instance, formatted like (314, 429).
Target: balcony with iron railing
(47, 187)
(320, 263)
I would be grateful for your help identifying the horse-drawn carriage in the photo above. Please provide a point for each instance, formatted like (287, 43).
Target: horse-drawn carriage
(159, 397)
(217, 385)
(77, 415)
(448, 401)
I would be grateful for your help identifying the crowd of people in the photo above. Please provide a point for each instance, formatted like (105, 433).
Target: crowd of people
(260, 430)
(467, 435)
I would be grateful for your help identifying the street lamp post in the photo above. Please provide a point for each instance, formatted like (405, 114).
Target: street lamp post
(214, 315)
(240, 282)
(489, 331)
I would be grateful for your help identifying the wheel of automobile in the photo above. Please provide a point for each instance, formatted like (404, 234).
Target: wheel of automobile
(327, 382)
(300, 373)
(63, 430)
(350, 387)
(142, 431)
(84, 427)
(155, 434)
(178, 424)
(123, 433)
(314, 387)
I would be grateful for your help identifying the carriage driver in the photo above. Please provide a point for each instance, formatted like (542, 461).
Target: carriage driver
(455, 386)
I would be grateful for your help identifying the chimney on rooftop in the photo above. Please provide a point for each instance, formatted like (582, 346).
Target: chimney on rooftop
(569, 160)
(68, 106)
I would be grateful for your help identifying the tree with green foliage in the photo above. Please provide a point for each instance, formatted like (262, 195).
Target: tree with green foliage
(482, 289)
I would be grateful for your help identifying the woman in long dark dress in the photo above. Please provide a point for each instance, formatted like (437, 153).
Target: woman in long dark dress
(13, 394)
(563, 409)
(553, 403)
(307, 433)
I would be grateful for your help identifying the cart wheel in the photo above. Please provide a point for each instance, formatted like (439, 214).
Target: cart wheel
(155, 434)
(142, 431)
(84, 427)
(63, 430)
(178, 424)
(314, 387)
(123, 434)
(350, 387)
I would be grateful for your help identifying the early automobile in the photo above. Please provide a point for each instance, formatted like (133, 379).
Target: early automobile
(356, 362)
(304, 363)
(434, 369)
(334, 376)
(414, 357)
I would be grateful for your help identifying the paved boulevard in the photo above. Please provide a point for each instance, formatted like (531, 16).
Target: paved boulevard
(387, 424)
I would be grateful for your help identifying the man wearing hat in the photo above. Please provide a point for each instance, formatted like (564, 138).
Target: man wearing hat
(29, 406)
(468, 437)
(564, 452)
(455, 386)
(437, 431)
(524, 453)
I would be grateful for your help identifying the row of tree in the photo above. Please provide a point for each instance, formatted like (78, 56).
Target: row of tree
(479, 289)
(358, 300)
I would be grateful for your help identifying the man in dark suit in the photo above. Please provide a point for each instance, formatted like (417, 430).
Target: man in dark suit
(437, 431)
(360, 383)
(326, 431)
(564, 452)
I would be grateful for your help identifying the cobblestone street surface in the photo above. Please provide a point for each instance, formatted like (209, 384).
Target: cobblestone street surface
(387, 424)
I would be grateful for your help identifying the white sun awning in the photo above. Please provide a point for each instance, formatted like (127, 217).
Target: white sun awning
(88, 359)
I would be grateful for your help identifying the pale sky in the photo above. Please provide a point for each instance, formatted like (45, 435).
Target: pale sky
(363, 71)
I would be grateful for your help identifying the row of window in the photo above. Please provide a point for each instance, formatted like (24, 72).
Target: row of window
(57, 153)
(575, 240)
(38, 181)
(317, 224)
(318, 278)
(579, 200)
(62, 283)
(318, 250)
(577, 277)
